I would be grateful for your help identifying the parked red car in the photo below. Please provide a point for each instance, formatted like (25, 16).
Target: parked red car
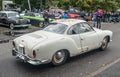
(74, 15)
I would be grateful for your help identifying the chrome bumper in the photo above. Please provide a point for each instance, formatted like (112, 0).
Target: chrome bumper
(27, 59)
(23, 25)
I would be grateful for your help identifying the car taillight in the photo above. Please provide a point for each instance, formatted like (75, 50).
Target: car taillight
(34, 54)
(13, 43)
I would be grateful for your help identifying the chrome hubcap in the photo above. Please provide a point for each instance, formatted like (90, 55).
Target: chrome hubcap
(104, 43)
(59, 57)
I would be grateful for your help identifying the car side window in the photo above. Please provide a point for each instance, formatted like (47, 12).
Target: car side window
(73, 30)
(4, 15)
(84, 27)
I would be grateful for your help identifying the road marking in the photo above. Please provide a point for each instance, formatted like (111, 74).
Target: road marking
(102, 68)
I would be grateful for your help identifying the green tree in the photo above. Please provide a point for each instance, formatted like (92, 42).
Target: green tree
(88, 5)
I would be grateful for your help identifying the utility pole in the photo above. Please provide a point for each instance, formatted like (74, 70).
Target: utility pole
(41, 4)
(29, 5)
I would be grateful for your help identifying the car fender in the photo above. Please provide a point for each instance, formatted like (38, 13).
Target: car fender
(46, 49)
(103, 33)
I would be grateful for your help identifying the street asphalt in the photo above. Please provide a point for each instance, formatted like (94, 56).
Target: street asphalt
(112, 71)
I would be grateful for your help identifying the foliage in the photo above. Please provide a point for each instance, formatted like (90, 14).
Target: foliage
(24, 3)
(87, 5)
(90, 5)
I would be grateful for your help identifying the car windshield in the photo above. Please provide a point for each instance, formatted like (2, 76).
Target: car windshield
(12, 5)
(56, 28)
(29, 14)
(13, 15)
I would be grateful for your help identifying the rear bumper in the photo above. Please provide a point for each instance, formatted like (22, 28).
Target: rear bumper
(27, 59)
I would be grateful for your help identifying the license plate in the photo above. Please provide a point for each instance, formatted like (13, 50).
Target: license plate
(21, 49)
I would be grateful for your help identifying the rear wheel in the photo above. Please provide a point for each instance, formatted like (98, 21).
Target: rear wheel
(59, 57)
(104, 44)
(12, 33)
(41, 24)
(11, 26)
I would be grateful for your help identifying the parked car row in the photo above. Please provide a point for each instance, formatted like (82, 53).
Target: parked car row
(25, 19)
(13, 19)
(59, 12)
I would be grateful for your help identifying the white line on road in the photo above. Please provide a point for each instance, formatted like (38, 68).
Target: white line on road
(102, 68)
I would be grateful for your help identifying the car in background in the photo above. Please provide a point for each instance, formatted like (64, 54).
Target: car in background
(56, 13)
(12, 19)
(60, 40)
(35, 18)
(74, 13)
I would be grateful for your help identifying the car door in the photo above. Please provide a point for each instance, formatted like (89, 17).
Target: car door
(73, 33)
(89, 38)
(3, 18)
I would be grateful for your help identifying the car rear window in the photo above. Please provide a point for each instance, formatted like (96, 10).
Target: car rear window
(56, 28)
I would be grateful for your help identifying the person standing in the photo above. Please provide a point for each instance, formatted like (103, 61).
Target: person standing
(46, 16)
(99, 18)
(66, 15)
(98, 21)
(94, 20)
(46, 19)
(106, 17)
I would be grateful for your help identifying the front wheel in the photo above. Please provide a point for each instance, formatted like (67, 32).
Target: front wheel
(59, 57)
(104, 44)
(41, 24)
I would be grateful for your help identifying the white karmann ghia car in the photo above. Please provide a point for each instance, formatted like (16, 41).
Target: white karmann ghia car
(61, 39)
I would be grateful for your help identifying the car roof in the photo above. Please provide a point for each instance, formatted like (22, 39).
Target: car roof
(8, 12)
(68, 22)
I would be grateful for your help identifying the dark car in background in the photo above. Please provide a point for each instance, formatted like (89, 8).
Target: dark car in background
(12, 19)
